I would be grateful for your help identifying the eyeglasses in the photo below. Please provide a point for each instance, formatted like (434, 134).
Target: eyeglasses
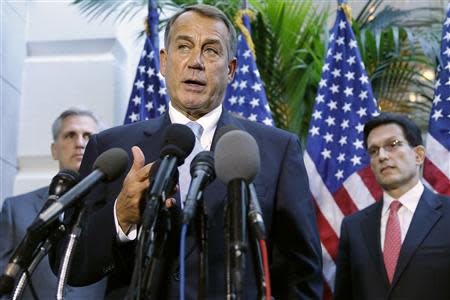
(388, 147)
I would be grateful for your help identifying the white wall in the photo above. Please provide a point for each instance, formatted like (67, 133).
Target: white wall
(13, 16)
(69, 61)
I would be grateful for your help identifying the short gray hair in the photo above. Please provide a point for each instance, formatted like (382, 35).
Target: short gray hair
(211, 12)
(73, 111)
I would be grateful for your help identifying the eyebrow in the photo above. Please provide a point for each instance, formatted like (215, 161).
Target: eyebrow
(389, 139)
(190, 39)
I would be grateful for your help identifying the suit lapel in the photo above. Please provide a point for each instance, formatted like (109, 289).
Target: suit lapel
(153, 137)
(40, 199)
(426, 215)
(371, 230)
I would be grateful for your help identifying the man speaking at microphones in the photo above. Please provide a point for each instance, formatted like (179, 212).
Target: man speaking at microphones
(71, 132)
(198, 61)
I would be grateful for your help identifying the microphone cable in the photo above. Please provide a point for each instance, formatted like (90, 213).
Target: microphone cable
(265, 260)
(182, 267)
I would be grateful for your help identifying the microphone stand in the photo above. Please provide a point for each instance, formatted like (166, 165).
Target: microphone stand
(155, 266)
(44, 248)
(68, 254)
(237, 246)
(202, 237)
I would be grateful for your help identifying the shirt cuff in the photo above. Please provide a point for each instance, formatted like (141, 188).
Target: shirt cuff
(122, 236)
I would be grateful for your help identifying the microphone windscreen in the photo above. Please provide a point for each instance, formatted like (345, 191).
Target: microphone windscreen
(236, 157)
(63, 181)
(205, 158)
(223, 130)
(179, 140)
(112, 162)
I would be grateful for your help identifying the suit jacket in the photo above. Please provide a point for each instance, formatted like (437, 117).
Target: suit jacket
(423, 267)
(283, 192)
(17, 214)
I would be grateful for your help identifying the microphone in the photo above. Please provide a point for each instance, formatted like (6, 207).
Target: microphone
(60, 184)
(231, 164)
(236, 169)
(179, 141)
(109, 165)
(202, 173)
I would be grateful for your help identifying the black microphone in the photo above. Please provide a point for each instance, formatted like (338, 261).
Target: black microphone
(237, 163)
(109, 165)
(60, 184)
(179, 141)
(202, 173)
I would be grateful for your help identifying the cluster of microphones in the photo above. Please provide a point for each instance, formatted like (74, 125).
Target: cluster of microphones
(235, 162)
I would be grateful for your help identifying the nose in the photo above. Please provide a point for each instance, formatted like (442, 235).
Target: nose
(81, 141)
(196, 61)
(382, 154)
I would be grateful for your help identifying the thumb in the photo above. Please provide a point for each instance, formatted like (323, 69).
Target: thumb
(138, 158)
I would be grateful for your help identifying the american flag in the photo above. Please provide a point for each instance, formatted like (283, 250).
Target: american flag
(246, 96)
(340, 178)
(149, 95)
(436, 169)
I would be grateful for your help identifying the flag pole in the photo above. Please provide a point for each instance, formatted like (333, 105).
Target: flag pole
(152, 25)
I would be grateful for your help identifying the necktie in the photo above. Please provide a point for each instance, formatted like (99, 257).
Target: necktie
(184, 170)
(392, 240)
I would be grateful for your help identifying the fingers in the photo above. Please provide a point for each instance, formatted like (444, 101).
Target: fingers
(138, 158)
(133, 188)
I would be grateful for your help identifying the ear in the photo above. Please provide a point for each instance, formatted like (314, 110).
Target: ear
(54, 150)
(420, 154)
(162, 61)
(232, 69)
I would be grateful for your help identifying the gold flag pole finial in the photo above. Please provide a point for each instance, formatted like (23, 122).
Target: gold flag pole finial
(347, 11)
(244, 30)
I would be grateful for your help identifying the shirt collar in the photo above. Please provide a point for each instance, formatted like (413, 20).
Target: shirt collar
(208, 122)
(409, 200)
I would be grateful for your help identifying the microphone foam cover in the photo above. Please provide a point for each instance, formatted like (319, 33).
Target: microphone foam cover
(179, 140)
(112, 162)
(225, 129)
(236, 157)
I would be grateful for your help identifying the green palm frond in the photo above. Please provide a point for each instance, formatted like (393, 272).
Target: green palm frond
(290, 53)
(121, 10)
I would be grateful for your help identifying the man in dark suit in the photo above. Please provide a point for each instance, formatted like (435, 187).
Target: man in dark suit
(398, 248)
(71, 132)
(198, 62)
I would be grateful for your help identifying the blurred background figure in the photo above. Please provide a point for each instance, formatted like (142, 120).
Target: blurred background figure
(71, 132)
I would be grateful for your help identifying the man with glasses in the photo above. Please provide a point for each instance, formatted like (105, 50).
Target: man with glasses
(398, 248)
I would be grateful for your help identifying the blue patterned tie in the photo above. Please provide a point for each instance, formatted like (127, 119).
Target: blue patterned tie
(184, 170)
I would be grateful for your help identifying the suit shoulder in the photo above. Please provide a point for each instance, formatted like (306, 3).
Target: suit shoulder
(25, 199)
(124, 129)
(357, 216)
(264, 131)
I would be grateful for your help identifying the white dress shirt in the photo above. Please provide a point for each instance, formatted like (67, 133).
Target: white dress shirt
(409, 202)
(209, 124)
